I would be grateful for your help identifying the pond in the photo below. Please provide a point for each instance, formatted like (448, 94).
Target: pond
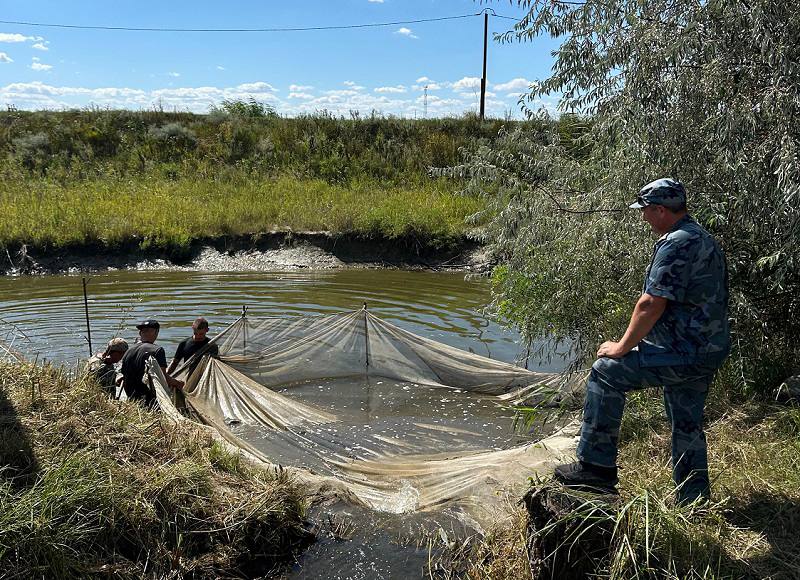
(44, 316)
(442, 306)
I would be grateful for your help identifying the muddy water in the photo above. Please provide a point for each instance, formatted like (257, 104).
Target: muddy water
(44, 317)
(49, 309)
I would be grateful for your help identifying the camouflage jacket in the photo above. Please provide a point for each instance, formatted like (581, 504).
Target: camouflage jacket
(688, 269)
(104, 374)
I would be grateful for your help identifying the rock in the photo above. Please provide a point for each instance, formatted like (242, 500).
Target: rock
(568, 532)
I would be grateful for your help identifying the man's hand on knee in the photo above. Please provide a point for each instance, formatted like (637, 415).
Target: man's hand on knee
(611, 349)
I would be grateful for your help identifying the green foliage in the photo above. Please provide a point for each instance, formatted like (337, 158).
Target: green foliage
(167, 211)
(702, 92)
(166, 179)
(169, 142)
(32, 150)
(247, 135)
(250, 109)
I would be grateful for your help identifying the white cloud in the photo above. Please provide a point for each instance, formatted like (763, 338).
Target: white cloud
(174, 74)
(376, 1)
(517, 84)
(299, 88)
(220, 67)
(395, 89)
(35, 59)
(5, 58)
(466, 84)
(340, 102)
(342, 93)
(431, 86)
(403, 31)
(13, 37)
(353, 86)
(258, 87)
(39, 46)
(39, 66)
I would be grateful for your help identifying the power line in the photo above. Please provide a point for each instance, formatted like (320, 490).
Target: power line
(287, 29)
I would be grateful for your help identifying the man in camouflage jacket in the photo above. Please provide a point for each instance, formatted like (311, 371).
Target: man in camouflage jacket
(677, 338)
(101, 367)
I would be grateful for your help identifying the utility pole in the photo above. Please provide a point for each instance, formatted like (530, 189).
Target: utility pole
(425, 103)
(483, 78)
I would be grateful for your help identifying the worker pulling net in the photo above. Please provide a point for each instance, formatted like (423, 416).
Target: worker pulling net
(403, 422)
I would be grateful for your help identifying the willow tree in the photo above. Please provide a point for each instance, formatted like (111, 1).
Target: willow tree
(707, 92)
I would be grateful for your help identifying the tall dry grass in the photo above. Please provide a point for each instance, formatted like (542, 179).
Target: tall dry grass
(749, 530)
(91, 487)
(158, 212)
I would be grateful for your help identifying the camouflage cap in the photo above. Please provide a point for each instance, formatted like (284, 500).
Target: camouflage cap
(117, 345)
(666, 192)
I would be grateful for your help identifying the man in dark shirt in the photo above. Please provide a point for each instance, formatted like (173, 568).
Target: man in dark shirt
(189, 347)
(133, 364)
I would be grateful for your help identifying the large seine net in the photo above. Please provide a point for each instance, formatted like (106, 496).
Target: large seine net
(397, 421)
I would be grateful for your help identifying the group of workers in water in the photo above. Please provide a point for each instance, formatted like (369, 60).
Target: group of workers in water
(131, 378)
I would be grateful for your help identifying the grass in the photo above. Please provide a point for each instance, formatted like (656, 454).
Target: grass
(163, 179)
(91, 487)
(748, 531)
(162, 213)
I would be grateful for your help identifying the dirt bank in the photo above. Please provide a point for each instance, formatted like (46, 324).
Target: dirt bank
(267, 251)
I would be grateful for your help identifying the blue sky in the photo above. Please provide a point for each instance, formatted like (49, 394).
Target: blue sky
(384, 68)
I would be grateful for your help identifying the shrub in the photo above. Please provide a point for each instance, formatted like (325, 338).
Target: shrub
(169, 142)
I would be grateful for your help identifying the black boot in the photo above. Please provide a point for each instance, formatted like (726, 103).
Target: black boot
(587, 477)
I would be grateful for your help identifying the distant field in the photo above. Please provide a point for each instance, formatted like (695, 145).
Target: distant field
(171, 213)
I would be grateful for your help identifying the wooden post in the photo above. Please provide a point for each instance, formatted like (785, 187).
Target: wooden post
(88, 325)
(569, 533)
(244, 330)
(366, 334)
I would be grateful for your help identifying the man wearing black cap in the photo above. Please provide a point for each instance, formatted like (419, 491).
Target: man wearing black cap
(134, 361)
(677, 338)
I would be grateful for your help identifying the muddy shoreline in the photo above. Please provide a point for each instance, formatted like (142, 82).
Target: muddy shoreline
(265, 251)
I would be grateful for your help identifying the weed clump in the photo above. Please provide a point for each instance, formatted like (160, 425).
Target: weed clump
(93, 487)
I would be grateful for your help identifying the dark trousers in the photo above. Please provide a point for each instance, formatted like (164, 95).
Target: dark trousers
(685, 390)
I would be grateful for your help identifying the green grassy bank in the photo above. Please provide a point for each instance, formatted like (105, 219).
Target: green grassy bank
(161, 180)
(96, 488)
(169, 214)
(748, 531)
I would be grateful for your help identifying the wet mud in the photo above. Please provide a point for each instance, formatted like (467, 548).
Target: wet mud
(271, 251)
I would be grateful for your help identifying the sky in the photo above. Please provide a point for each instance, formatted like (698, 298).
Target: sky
(383, 69)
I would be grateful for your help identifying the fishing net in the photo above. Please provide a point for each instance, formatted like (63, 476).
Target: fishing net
(399, 421)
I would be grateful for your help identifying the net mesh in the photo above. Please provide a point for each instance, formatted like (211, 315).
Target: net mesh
(397, 421)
